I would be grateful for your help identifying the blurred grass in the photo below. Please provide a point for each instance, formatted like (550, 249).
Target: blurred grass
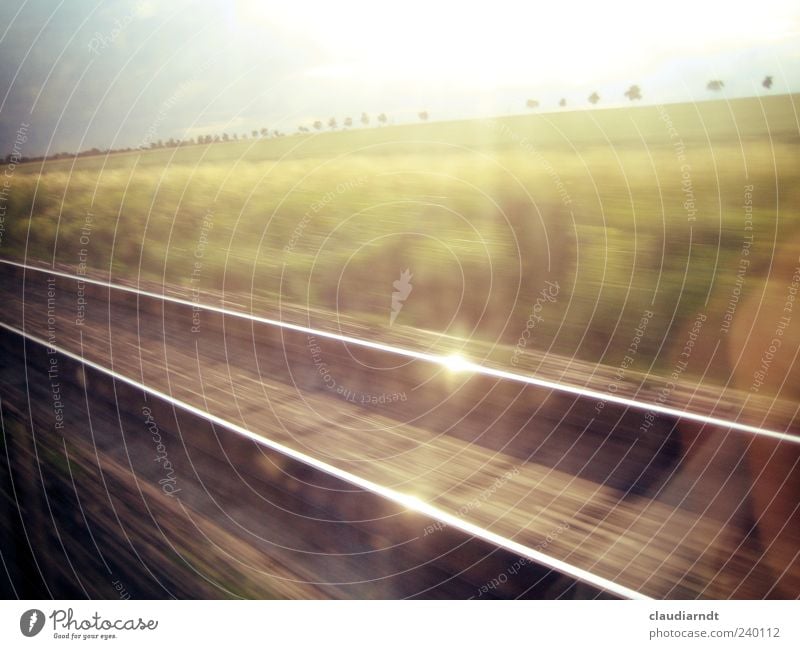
(482, 213)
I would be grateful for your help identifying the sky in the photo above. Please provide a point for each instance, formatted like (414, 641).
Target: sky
(122, 73)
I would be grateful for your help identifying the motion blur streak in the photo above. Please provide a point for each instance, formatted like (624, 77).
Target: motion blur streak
(462, 365)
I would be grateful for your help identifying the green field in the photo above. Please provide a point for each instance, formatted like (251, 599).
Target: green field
(604, 203)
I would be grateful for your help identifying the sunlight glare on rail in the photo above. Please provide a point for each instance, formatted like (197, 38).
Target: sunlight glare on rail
(457, 363)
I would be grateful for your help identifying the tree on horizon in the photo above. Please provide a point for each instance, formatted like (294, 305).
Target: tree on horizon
(634, 92)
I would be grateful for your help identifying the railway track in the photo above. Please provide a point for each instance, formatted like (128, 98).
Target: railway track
(520, 464)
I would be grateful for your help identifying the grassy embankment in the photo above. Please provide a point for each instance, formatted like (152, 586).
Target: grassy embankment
(482, 213)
